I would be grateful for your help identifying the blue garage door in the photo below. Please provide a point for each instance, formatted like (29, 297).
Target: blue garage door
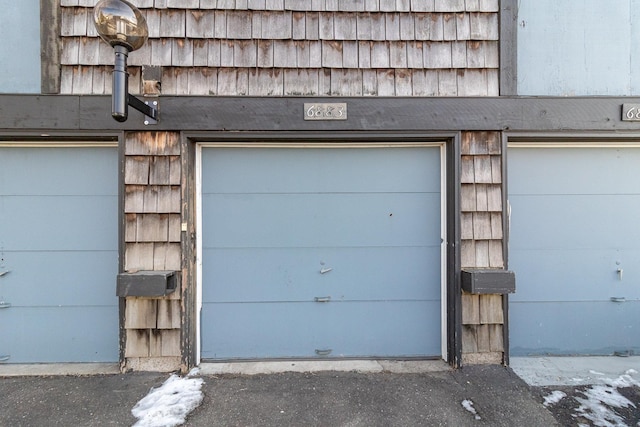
(331, 252)
(575, 247)
(58, 246)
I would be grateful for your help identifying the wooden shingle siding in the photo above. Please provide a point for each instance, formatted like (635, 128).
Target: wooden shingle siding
(481, 234)
(393, 44)
(412, 48)
(152, 235)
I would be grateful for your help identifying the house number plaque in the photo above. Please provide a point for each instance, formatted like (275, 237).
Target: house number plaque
(325, 111)
(631, 112)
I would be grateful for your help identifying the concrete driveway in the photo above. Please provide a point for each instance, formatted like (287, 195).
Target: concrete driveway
(349, 394)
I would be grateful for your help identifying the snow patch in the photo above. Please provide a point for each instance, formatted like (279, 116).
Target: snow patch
(169, 404)
(468, 405)
(600, 401)
(555, 397)
(624, 381)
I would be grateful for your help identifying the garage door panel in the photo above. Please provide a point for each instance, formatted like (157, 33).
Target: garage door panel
(577, 170)
(574, 221)
(48, 278)
(576, 275)
(306, 220)
(273, 219)
(593, 328)
(59, 223)
(325, 171)
(57, 171)
(59, 334)
(574, 224)
(59, 243)
(294, 275)
(299, 329)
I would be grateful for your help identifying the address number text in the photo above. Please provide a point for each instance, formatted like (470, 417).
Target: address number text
(325, 111)
(631, 112)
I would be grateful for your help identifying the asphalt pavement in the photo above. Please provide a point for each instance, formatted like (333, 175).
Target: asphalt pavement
(471, 396)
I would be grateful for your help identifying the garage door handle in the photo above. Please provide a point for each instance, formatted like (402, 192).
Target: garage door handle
(618, 299)
(323, 352)
(322, 299)
(2, 273)
(4, 304)
(4, 358)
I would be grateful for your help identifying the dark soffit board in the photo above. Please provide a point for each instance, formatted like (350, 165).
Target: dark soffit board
(71, 112)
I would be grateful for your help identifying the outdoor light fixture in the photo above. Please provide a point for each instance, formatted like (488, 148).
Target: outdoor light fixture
(121, 24)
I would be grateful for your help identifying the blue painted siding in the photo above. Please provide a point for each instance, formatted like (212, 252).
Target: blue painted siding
(568, 48)
(59, 240)
(274, 218)
(20, 47)
(574, 222)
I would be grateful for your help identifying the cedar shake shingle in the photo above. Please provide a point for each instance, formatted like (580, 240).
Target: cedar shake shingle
(343, 47)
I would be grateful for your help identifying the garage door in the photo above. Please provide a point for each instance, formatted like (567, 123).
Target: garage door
(59, 259)
(331, 252)
(575, 247)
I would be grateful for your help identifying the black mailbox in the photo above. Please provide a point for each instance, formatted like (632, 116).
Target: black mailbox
(146, 284)
(487, 281)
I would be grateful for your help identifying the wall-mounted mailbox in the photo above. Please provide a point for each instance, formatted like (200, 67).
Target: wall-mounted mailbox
(486, 281)
(146, 284)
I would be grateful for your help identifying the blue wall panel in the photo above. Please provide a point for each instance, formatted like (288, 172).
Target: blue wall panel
(569, 48)
(274, 218)
(20, 47)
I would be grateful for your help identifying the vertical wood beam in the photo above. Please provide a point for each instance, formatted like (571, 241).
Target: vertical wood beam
(50, 47)
(122, 227)
(454, 269)
(189, 314)
(505, 245)
(508, 47)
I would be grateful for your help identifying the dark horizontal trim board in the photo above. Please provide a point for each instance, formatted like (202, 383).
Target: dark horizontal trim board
(189, 113)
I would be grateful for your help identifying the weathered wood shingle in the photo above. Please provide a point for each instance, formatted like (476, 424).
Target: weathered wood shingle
(198, 43)
(200, 24)
(481, 223)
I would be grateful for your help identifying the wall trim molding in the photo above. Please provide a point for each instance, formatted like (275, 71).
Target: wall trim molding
(39, 113)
